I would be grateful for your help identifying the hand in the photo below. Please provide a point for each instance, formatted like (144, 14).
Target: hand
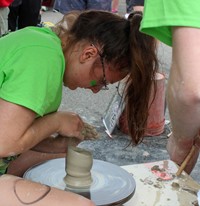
(89, 132)
(55, 145)
(70, 125)
(75, 127)
(179, 149)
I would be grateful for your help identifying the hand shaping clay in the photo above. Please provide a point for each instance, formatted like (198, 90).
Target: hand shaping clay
(78, 168)
(89, 132)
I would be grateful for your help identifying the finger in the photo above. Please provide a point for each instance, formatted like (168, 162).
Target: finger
(89, 132)
(73, 141)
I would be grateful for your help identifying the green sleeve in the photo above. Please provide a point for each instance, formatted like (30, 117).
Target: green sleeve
(33, 78)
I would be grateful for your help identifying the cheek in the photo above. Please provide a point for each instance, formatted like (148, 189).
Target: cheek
(93, 83)
(83, 78)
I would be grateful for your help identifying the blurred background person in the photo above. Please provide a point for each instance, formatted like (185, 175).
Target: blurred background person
(4, 11)
(115, 6)
(47, 4)
(65, 6)
(24, 13)
(134, 5)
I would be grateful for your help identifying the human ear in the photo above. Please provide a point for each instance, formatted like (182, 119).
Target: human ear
(88, 53)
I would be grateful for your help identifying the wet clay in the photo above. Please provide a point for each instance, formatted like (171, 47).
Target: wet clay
(78, 168)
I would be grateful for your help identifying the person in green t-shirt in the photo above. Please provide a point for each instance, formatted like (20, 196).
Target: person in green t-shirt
(177, 24)
(87, 50)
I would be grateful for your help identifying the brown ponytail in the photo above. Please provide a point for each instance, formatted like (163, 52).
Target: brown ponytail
(144, 65)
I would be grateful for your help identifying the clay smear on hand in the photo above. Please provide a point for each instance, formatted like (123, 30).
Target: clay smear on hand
(89, 132)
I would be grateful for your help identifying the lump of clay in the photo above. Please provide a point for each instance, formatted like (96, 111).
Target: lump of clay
(78, 168)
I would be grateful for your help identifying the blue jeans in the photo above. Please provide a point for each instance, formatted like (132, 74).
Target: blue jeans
(131, 3)
(65, 6)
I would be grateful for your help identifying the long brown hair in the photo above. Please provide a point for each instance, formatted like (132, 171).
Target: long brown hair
(141, 80)
(123, 45)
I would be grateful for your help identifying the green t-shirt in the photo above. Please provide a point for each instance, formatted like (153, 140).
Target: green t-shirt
(160, 15)
(31, 72)
(31, 69)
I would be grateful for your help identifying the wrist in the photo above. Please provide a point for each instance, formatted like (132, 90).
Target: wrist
(182, 143)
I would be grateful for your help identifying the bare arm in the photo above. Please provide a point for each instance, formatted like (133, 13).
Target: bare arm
(184, 93)
(20, 131)
(55, 145)
(20, 192)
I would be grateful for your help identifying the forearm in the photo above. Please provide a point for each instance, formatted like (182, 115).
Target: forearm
(184, 115)
(66, 124)
(52, 145)
(185, 127)
(39, 130)
(183, 94)
(55, 145)
(23, 134)
(184, 84)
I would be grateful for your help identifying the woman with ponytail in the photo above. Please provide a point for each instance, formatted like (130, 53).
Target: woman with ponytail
(87, 50)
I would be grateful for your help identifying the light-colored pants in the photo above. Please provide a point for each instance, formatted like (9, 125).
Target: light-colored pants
(4, 20)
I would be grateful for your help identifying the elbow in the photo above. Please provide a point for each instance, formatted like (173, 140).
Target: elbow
(10, 149)
(186, 95)
(190, 97)
(7, 153)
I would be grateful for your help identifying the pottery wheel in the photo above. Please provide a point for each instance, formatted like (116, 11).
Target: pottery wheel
(111, 184)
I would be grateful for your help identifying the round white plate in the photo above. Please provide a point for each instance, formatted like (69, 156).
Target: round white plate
(112, 185)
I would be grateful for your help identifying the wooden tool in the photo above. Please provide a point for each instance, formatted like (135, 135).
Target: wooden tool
(185, 162)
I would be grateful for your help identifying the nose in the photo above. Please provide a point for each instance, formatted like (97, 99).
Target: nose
(95, 89)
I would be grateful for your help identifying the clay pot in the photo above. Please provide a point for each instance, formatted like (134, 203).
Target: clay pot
(78, 168)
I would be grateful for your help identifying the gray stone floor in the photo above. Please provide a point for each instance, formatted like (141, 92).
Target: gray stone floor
(92, 107)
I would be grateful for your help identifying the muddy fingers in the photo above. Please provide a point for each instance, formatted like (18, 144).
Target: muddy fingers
(89, 132)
